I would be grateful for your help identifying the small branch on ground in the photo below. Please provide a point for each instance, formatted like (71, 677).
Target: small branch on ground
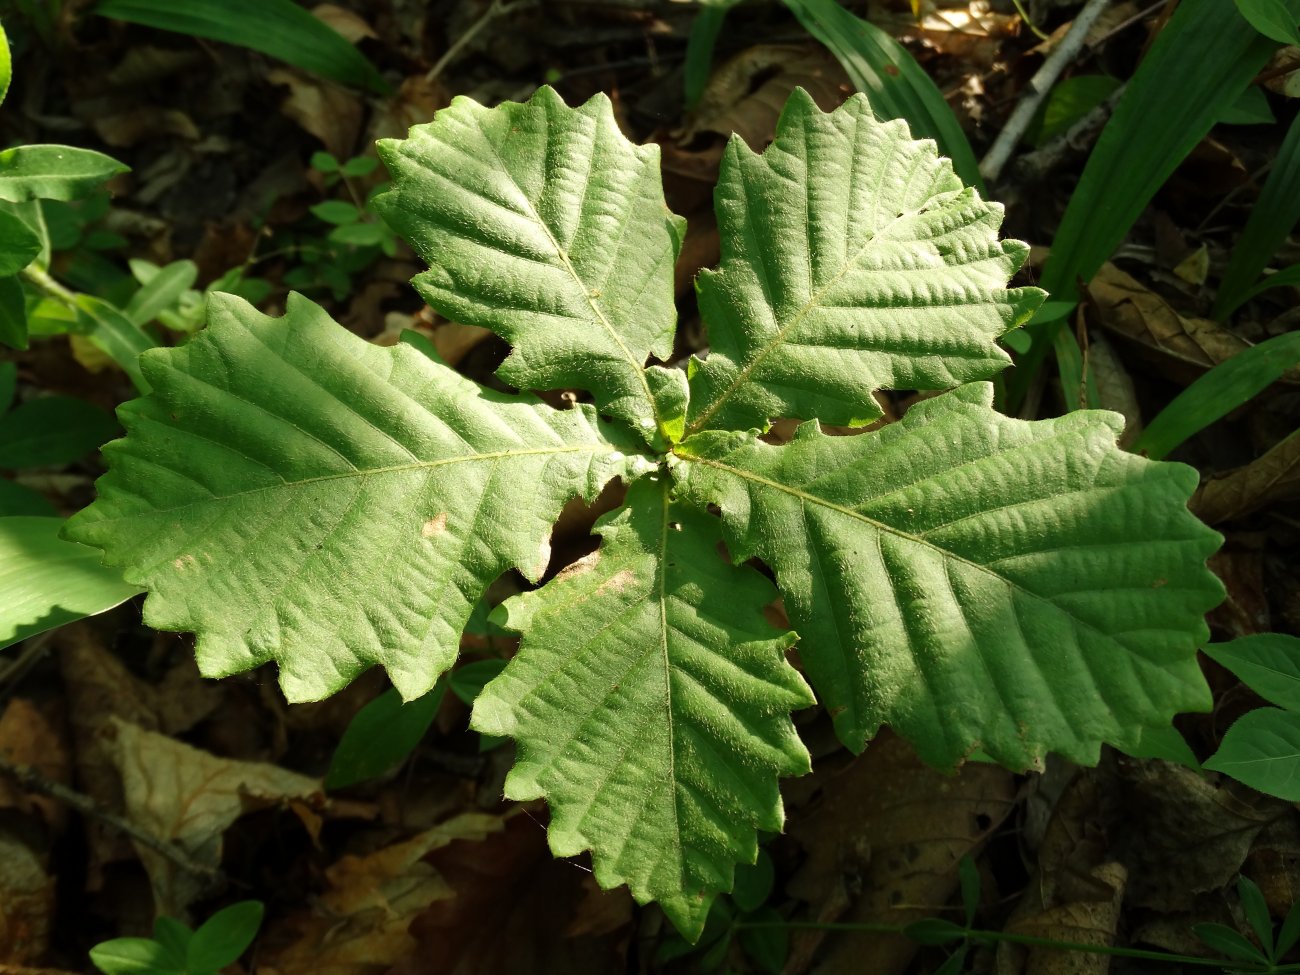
(497, 9)
(1038, 165)
(1039, 85)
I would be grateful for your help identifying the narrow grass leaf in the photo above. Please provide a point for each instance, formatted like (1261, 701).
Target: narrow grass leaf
(115, 335)
(46, 582)
(884, 71)
(1229, 942)
(279, 28)
(700, 44)
(161, 292)
(1288, 277)
(1164, 112)
(1270, 221)
(1219, 392)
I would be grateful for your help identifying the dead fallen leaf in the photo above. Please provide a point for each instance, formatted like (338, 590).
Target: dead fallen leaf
(358, 926)
(1184, 346)
(26, 902)
(1115, 388)
(145, 122)
(330, 113)
(512, 900)
(882, 846)
(37, 738)
(352, 26)
(746, 93)
(1240, 567)
(189, 797)
(1271, 478)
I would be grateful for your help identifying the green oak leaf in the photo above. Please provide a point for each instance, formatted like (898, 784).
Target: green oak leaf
(853, 260)
(290, 492)
(974, 580)
(546, 225)
(651, 699)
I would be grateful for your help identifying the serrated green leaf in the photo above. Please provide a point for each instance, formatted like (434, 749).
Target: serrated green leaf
(650, 700)
(290, 492)
(974, 580)
(546, 225)
(46, 582)
(853, 260)
(53, 172)
(1262, 749)
(1268, 663)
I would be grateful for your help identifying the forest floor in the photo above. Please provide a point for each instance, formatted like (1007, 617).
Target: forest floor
(427, 869)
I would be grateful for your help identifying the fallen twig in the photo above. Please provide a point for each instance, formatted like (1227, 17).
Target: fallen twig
(1039, 85)
(33, 781)
(495, 10)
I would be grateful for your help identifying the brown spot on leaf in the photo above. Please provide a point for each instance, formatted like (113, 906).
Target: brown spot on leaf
(618, 582)
(435, 526)
(184, 562)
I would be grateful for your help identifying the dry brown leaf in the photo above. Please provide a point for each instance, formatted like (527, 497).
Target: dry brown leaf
(1181, 834)
(512, 900)
(359, 925)
(1272, 478)
(26, 902)
(37, 738)
(1184, 346)
(894, 829)
(746, 93)
(146, 122)
(189, 797)
(1115, 388)
(99, 689)
(1240, 567)
(352, 26)
(330, 113)
(1282, 74)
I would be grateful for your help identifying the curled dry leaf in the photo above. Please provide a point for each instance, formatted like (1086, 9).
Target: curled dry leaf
(894, 829)
(26, 902)
(516, 909)
(190, 797)
(352, 26)
(1272, 478)
(358, 926)
(35, 737)
(1184, 347)
(330, 113)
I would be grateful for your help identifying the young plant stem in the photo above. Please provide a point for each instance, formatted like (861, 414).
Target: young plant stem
(47, 286)
(992, 937)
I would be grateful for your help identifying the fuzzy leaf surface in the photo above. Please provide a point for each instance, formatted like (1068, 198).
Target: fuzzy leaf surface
(974, 580)
(546, 225)
(651, 702)
(290, 492)
(853, 260)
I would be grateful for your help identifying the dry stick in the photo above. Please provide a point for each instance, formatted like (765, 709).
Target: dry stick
(1039, 85)
(497, 9)
(33, 781)
(1037, 165)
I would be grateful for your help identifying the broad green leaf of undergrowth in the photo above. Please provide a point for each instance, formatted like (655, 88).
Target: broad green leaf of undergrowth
(291, 493)
(46, 581)
(546, 225)
(651, 703)
(975, 580)
(49, 172)
(853, 260)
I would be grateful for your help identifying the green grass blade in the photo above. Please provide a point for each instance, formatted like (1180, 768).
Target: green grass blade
(1276, 212)
(6, 66)
(699, 47)
(1287, 277)
(279, 28)
(1219, 392)
(1165, 111)
(889, 76)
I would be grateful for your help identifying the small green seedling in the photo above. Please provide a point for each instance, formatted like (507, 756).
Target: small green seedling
(293, 494)
(175, 949)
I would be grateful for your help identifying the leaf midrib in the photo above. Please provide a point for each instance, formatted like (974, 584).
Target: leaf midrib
(638, 367)
(809, 306)
(881, 526)
(373, 471)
